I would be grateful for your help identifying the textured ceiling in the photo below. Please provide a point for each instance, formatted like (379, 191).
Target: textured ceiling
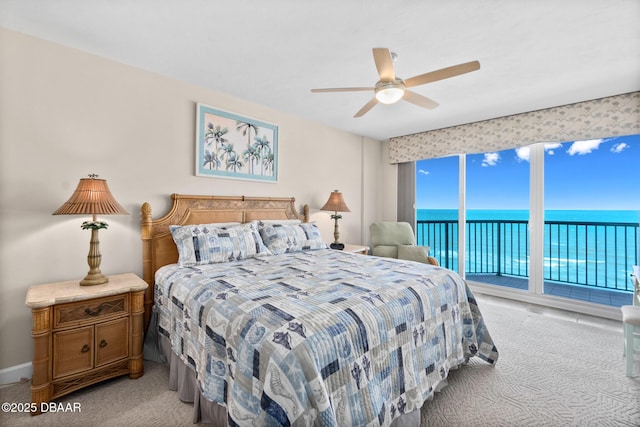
(533, 54)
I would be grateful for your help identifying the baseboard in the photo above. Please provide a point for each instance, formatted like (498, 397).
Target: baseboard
(15, 374)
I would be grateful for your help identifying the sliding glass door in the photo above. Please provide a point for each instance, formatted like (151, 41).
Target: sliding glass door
(558, 219)
(591, 219)
(437, 184)
(497, 203)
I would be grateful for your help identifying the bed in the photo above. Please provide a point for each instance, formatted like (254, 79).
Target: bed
(275, 328)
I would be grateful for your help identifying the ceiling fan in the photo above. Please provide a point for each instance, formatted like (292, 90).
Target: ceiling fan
(390, 88)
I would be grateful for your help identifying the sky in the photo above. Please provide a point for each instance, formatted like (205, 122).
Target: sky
(587, 175)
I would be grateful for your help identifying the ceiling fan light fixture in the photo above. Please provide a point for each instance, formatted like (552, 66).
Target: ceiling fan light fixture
(391, 89)
(389, 93)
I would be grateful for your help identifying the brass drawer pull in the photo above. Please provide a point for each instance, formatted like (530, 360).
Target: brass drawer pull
(103, 343)
(93, 313)
(85, 348)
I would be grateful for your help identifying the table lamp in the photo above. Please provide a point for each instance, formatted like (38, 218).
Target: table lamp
(336, 204)
(92, 196)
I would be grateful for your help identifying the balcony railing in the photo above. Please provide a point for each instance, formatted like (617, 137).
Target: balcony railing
(594, 254)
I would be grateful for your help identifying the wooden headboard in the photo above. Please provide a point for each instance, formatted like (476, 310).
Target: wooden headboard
(158, 247)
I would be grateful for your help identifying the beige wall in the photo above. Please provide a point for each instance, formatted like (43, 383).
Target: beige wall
(65, 114)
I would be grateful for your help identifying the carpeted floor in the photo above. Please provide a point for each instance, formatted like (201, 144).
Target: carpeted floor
(555, 369)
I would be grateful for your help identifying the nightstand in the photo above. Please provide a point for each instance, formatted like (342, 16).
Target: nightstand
(85, 334)
(356, 249)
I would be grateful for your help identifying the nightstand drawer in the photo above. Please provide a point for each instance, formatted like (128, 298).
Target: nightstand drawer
(72, 351)
(111, 341)
(72, 314)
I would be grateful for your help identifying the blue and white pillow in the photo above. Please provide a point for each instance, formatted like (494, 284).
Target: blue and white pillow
(285, 238)
(211, 243)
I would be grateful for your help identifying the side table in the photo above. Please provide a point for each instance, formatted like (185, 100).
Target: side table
(356, 249)
(85, 334)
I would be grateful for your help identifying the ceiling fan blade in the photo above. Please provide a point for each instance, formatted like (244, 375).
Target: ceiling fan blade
(384, 64)
(368, 106)
(441, 74)
(419, 100)
(343, 89)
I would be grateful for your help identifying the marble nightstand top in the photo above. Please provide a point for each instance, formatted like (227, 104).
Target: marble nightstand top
(49, 294)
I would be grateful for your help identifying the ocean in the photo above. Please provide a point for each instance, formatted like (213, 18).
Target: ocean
(582, 247)
(549, 215)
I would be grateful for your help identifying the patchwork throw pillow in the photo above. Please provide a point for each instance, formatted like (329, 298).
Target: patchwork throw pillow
(211, 243)
(282, 238)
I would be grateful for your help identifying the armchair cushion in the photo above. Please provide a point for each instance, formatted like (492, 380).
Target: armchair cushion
(387, 251)
(414, 253)
(392, 233)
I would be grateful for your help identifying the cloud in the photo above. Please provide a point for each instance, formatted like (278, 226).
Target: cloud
(523, 154)
(619, 148)
(490, 159)
(550, 148)
(584, 147)
(423, 172)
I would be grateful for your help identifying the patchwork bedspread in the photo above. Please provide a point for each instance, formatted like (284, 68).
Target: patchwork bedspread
(319, 337)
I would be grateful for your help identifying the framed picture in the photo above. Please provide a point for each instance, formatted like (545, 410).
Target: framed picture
(232, 146)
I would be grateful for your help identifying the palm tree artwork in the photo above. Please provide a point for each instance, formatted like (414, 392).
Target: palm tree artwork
(246, 129)
(252, 156)
(227, 151)
(232, 146)
(214, 135)
(262, 145)
(233, 162)
(212, 160)
(268, 162)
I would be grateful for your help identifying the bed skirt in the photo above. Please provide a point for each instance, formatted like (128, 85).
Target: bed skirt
(182, 379)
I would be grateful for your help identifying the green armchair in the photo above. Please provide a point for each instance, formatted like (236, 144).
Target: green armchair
(396, 240)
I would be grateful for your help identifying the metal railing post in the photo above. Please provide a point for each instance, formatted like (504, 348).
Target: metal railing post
(499, 250)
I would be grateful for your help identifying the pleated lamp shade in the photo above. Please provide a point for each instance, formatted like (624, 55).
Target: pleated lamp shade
(335, 203)
(92, 196)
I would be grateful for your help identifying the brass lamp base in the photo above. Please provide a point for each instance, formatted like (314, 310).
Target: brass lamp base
(94, 276)
(336, 234)
(94, 279)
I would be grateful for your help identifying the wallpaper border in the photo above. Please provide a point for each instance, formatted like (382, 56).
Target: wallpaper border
(600, 118)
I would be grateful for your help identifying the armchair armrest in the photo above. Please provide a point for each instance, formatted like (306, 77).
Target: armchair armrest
(416, 253)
